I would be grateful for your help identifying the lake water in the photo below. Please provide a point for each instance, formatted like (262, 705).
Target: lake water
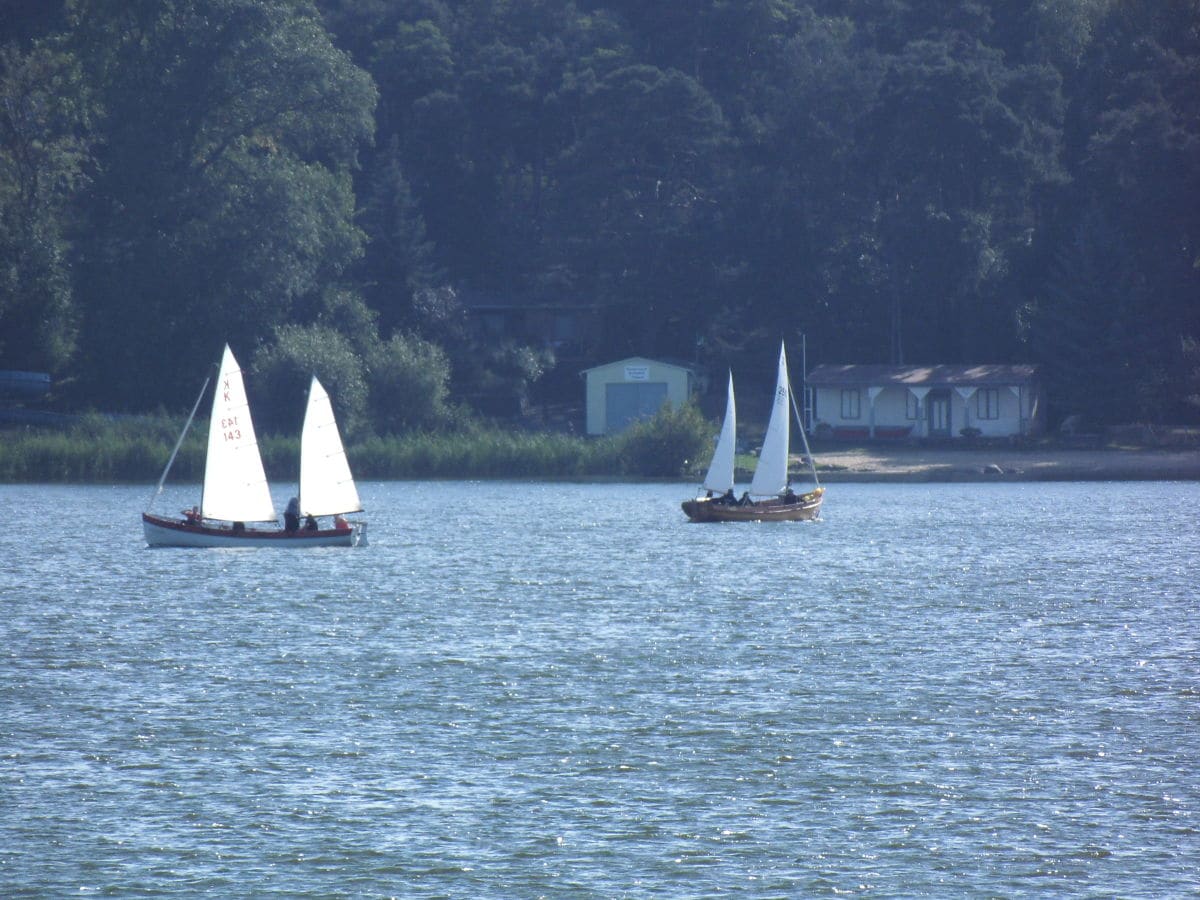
(563, 690)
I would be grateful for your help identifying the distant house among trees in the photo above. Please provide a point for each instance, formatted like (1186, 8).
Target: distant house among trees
(561, 323)
(878, 402)
(619, 393)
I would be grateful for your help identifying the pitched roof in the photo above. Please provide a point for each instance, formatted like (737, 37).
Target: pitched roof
(922, 375)
(489, 301)
(640, 360)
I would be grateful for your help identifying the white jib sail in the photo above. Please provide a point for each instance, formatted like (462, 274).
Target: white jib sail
(326, 485)
(720, 471)
(235, 486)
(770, 476)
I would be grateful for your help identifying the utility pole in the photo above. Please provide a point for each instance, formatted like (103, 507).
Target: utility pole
(807, 423)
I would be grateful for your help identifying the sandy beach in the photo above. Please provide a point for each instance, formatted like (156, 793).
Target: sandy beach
(916, 463)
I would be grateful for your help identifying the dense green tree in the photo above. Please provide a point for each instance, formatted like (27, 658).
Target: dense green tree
(646, 155)
(399, 259)
(25, 21)
(1085, 328)
(953, 211)
(410, 380)
(377, 385)
(669, 444)
(935, 181)
(797, 206)
(1137, 124)
(44, 156)
(224, 191)
(283, 371)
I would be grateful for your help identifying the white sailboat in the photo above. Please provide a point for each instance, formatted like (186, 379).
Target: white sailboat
(236, 492)
(776, 499)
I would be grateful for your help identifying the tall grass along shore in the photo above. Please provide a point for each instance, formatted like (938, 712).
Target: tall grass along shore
(674, 444)
(99, 449)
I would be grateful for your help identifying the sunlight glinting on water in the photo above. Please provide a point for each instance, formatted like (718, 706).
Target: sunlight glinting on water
(525, 689)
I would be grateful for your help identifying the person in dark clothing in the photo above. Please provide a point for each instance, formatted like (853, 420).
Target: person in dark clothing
(310, 523)
(291, 516)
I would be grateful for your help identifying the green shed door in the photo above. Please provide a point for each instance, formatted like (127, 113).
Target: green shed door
(632, 400)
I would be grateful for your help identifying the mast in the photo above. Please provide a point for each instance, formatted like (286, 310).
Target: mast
(812, 465)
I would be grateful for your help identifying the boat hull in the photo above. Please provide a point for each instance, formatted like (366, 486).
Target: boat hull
(164, 532)
(805, 507)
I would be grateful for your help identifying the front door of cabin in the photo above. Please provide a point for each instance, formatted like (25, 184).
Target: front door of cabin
(938, 404)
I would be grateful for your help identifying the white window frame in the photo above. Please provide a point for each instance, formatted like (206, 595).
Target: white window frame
(987, 403)
(851, 404)
(912, 406)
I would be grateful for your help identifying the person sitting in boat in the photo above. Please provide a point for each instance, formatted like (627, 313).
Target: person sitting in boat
(340, 523)
(310, 522)
(745, 500)
(727, 498)
(192, 515)
(789, 496)
(291, 516)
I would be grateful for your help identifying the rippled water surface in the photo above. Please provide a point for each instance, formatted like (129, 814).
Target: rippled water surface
(560, 690)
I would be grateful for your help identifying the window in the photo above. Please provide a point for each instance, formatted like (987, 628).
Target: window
(912, 406)
(851, 404)
(987, 403)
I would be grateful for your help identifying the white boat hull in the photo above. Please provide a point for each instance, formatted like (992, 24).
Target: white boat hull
(163, 532)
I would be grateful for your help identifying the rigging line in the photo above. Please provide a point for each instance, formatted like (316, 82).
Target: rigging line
(812, 465)
(179, 443)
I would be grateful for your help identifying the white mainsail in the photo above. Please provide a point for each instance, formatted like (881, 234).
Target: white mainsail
(326, 485)
(720, 471)
(235, 486)
(770, 476)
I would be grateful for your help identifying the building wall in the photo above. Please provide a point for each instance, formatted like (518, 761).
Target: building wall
(677, 379)
(891, 409)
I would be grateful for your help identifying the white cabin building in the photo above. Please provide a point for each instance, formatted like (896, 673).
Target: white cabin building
(869, 402)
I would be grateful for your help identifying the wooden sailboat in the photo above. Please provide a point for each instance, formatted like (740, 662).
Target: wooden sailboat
(770, 497)
(236, 498)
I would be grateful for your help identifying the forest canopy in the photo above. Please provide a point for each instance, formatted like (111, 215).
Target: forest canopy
(330, 182)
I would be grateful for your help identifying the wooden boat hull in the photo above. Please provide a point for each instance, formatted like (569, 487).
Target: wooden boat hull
(164, 532)
(805, 507)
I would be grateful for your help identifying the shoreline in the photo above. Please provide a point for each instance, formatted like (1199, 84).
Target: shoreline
(917, 464)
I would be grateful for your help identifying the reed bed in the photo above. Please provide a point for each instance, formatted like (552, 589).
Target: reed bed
(98, 450)
(133, 450)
